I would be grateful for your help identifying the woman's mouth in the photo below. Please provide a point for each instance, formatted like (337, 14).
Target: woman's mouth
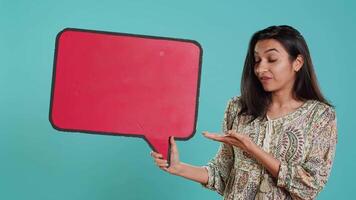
(265, 79)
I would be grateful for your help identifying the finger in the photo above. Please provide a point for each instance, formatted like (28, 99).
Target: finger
(165, 169)
(227, 139)
(220, 139)
(174, 147)
(160, 161)
(237, 136)
(204, 132)
(156, 155)
(233, 141)
(207, 134)
(173, 143)
(213, 136)
(162, 165)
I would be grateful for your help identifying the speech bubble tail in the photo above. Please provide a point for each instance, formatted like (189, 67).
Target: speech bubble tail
(160, 145)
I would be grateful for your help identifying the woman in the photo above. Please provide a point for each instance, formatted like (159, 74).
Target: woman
(279, 136)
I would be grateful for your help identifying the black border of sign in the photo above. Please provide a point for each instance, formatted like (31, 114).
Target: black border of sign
(125, 134)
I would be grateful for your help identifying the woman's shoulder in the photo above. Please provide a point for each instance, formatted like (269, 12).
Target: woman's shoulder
(323, 110)
(235, 100)
(234, 103)
(322, 115)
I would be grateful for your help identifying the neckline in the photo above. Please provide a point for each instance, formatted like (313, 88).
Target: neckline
(290, 114)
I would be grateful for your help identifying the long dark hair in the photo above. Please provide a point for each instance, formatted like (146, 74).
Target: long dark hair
(254, 100)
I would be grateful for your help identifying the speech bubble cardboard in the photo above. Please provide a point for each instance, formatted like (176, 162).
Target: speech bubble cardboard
(126, 85)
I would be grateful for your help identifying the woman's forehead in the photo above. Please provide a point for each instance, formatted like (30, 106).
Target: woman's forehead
(268, 45)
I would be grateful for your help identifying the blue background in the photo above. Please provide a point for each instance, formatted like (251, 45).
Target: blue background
(38, 162)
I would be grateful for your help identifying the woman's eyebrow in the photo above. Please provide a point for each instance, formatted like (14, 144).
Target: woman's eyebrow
(273, 49)
(268, 50)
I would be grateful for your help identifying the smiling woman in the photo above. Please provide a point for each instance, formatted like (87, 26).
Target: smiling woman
(279, 136)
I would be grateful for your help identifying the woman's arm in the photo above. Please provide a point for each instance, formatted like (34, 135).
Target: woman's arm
(302, 181)
(266, 159)
(198, 174)
(306, 180)
(212, 176)
(215, 174)
(194, 173)
(245, 143)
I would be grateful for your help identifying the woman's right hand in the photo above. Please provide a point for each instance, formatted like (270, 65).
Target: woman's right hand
(174, 167)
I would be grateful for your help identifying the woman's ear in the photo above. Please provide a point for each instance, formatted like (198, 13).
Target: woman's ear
(298, 63)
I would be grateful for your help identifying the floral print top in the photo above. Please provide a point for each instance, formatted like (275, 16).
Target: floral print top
(304, 141)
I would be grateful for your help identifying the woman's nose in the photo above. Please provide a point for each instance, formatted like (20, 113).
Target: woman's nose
(260, 68)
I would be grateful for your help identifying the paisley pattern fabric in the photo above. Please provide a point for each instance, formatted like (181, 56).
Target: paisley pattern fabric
(304, 141)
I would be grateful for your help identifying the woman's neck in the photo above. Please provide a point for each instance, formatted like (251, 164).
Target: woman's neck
(282, 100)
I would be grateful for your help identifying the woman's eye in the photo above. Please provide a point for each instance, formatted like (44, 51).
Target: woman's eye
(272, 60)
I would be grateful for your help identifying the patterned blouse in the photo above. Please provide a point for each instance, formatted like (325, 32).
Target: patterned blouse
(304, 141)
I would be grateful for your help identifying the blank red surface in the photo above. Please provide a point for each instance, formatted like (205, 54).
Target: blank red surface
(126, 85)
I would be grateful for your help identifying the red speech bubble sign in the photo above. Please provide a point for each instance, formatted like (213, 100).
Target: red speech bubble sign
(125, 84)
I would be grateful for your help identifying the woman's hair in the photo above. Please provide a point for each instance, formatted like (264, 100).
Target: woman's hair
(254, 100)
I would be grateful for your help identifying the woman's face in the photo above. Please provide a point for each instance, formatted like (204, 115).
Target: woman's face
(273, 67)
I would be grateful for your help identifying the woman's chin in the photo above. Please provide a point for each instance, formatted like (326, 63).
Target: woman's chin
(268, 89)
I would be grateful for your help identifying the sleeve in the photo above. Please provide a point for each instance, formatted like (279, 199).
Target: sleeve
(220, 166)
(305, 181)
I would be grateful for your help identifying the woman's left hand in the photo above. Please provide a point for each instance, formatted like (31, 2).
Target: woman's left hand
(232, 138)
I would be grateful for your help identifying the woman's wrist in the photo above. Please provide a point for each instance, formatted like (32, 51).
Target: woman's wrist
(195, 173)
(251, 147)
(266, 159)
(178, 169)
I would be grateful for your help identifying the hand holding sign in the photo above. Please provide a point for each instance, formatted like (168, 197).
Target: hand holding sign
(129, 85)
(174, 165)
